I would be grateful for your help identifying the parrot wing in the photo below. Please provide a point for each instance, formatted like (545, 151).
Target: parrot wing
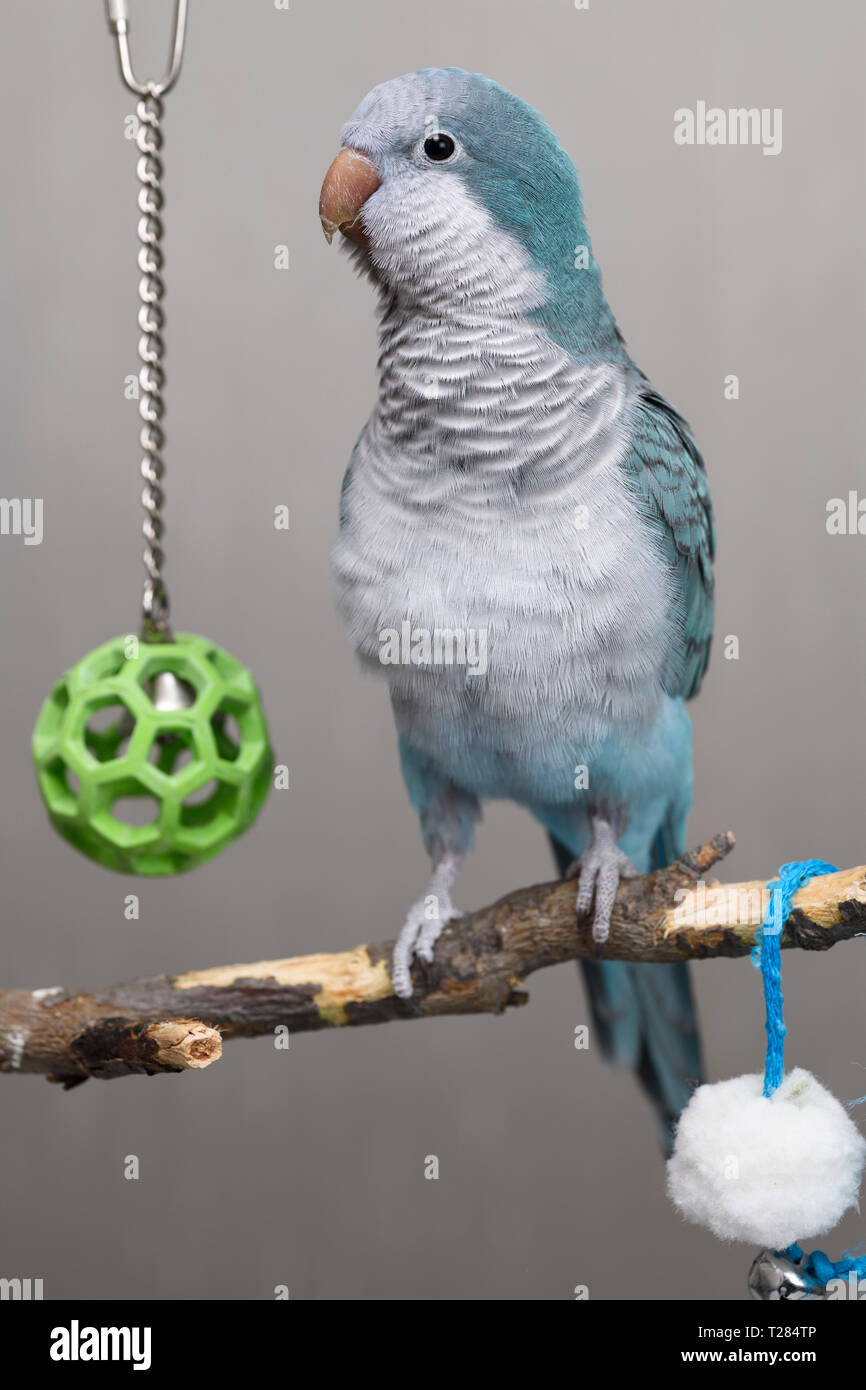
(665, 469)
(644, 1014)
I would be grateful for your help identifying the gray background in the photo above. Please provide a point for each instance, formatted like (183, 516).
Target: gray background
(306, 1167)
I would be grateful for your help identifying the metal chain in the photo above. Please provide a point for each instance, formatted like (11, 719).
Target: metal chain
(151, 349)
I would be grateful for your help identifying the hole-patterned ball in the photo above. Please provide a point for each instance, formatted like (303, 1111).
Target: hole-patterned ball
(151, 757)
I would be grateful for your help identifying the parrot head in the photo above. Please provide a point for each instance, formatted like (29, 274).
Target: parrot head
(452, 191)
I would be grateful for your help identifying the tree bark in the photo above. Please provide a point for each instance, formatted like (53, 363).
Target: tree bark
(176, 1022)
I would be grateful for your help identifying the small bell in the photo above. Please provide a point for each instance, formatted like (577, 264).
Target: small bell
(774, 1277)
(168, 693)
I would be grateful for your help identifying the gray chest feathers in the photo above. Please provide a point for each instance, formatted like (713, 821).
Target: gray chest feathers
(492, 564)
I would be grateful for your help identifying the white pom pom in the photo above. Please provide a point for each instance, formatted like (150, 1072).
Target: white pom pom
(769, 1171)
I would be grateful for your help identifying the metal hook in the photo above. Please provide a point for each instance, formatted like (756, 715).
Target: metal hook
(117, 14)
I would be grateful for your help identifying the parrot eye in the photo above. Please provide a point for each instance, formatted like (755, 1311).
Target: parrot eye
(439, 147)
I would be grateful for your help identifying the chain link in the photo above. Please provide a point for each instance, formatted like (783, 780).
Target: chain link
(151, 320)
(151, 349)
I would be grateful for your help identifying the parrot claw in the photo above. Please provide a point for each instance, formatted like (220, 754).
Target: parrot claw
(424, 924)
(600, 869)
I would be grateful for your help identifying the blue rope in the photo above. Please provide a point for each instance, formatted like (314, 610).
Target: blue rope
(767, 955)
(818, 1268)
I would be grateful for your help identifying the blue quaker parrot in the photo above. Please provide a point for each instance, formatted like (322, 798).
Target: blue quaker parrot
(526, 534)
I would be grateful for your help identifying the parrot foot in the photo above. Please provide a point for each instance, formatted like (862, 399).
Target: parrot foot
(600, 869)
(424, 923)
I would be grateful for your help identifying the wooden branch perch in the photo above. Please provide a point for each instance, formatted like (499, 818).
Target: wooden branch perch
(176, 1022)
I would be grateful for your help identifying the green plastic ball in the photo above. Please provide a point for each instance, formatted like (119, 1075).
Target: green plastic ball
(151, 757)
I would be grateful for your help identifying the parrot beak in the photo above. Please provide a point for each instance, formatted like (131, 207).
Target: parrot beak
(348, 184)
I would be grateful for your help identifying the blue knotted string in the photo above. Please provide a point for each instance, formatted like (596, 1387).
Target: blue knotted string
(818, 1268)
(767, 955)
